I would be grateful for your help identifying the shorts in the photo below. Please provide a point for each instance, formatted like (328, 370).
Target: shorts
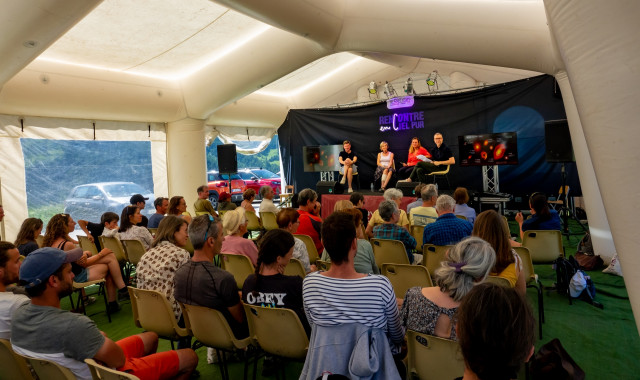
(161, 365)
(354, 167)
(83, 276)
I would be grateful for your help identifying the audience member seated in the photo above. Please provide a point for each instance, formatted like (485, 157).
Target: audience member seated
(87, 267)
(394, 195)
(267, 194)
(202, 204)
(447, 229)
(418, 202)
(495, 331)
(108, 221)
(492, 227)
(388, 211)
(357, 200)
(224, 202)
(426, 212)
(461, 196)
(333, 302)
(542, 218)
(235, 227)
(157, 267)
(162, 205)
(432, 310)
(342, 204)
(129, 230)
(9, 271)
(288, 220)
(178, 207)
(310, 224)
(248, 197)
(364, 262)
(29, 232)
(384, 169)
(40, 329)
(269, 287)
(139, 201)
(200, 282)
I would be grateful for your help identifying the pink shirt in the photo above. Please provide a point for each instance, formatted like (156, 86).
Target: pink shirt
(240, 246)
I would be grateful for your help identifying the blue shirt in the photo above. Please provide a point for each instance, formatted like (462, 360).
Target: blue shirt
(537, 223)
(447, 229)
(154, 220)
(466, 211)
(395, 232)
(411, 205)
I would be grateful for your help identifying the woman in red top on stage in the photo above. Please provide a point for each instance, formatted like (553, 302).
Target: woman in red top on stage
(415, 150)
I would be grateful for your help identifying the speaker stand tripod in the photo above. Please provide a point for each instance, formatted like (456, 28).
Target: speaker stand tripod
(565, 211)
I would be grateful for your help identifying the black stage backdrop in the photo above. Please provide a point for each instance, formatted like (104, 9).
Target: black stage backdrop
(522, 106)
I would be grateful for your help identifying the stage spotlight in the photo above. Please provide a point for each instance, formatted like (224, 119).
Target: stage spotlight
(408, 87)
(432, 80)
(389, 90)
(373, 88)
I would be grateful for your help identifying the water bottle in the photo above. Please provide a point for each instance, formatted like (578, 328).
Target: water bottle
(372, 187)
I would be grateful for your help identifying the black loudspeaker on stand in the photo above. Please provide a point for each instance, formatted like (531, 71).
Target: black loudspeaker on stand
(227, 159)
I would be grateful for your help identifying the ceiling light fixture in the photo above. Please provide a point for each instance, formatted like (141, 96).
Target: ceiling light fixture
(432, 80)
(389, 91)
(408, 87)
(373, 88)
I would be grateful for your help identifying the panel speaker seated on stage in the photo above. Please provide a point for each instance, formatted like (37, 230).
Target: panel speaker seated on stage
(441, 155)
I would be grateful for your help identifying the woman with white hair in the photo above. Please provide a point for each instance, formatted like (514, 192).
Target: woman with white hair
(385, 169)
(234, 223)
(389, 195)
(432, 310)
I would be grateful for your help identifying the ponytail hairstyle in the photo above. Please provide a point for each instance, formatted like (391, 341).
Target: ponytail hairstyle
(125, 223)
(538, 203)
(467, 263)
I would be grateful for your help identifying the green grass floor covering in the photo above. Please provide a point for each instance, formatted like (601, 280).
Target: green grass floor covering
(605, 343)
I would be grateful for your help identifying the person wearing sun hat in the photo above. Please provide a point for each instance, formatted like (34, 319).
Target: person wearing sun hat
(42, 330)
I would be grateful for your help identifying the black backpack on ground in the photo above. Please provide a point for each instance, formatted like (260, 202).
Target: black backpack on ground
(566, 269)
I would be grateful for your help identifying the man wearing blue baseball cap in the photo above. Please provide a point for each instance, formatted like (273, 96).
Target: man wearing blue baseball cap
(40, 329)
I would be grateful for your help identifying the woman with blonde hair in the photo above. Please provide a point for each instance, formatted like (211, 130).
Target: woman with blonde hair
(178, 207)
(88, 268)
(342, 204)
(248, 196)
(29, 231)
(415, 150)
(492, 228)
(385, 169)
(234, 223)
(432, 310)
(288, 219)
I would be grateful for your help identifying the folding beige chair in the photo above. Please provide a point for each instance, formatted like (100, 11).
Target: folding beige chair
(405, 276)
(323, 265)
(285, 198)
(430, 357)
(442, 173)
(253, 223)
(239, 266)
(311, 247)
(13, 366)
(433, 255)
(532, 282)
(100, 372)
(211, 329)
(153, 312)
(461, 217)
(46, 369)
(389, 251)
(87, 245)
(417, 232)
(269, 221)
(79, 286)
(114, 244)
(295, 268)
(278, 332)
(544, 245)
(134, 250)
(498, 281)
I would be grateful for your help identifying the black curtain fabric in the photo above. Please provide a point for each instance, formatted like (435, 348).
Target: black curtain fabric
(522, 106)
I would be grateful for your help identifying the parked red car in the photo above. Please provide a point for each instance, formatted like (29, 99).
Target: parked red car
(219, 183)
(256, 178)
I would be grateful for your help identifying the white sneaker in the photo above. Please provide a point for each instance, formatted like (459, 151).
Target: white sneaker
(350, 190)
(343, 180)
(405, 180)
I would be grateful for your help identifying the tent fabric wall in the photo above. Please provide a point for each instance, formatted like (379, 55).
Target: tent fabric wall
(598, 44)
(12, 169)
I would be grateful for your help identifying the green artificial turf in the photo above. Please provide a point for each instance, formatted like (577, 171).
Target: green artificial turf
(605, 343)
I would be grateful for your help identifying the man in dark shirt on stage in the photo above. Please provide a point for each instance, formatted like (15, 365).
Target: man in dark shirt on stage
(440, 155)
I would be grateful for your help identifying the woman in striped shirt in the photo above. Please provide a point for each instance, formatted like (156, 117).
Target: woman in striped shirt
(343, 296)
